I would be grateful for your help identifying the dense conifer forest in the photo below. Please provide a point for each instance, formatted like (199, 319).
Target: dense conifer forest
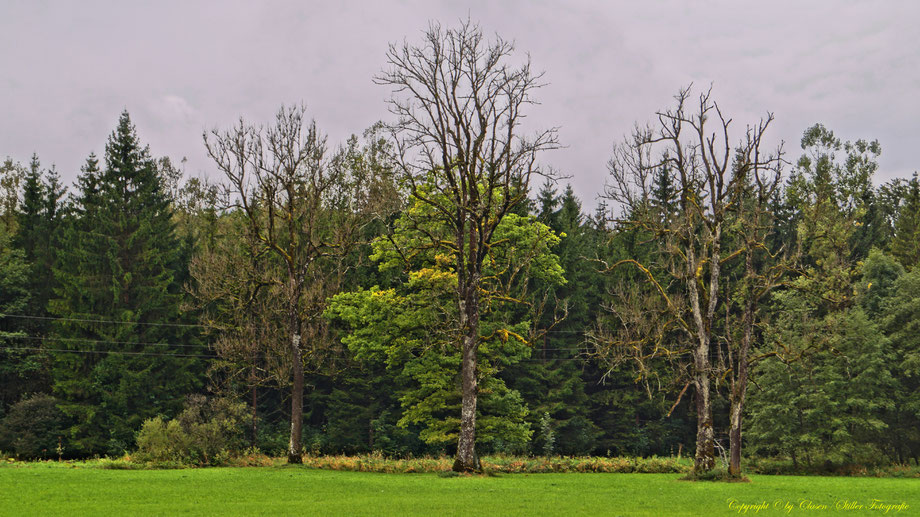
(427, 288)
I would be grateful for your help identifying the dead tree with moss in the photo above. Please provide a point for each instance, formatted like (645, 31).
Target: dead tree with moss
(714, 179)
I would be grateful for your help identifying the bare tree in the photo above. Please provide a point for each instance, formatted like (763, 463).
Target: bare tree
(232, 290)
(711, 177)
(460, 106)
(302, 212)
(764, 268)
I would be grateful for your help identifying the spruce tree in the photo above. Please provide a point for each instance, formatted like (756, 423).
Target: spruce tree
(551, 382)
(16, 365)
(906, 243)
(29, 215)
(27, 370)
(118, 302)
(37, 230)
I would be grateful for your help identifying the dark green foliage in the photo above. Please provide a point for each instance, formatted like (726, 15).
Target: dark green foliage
(841, 388)
(880, 272)
(358, 412)
(828, 400)
(551, 381)
(22, 369)
(901, 323)
(34, 428)
(906, 243)
(118, 300)
(14, 292)
(827, 395)
(38, 219)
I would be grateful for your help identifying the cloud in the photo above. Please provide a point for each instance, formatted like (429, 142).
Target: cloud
(175, 109)
(181, 69)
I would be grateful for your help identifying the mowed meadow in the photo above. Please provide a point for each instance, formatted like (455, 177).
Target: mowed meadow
(52, 488)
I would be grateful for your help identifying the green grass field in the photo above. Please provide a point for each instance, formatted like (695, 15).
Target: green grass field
(53, 489)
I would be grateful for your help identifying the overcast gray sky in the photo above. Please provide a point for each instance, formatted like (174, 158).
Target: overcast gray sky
(67, 69)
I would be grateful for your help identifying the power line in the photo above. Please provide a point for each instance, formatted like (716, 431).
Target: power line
(86, 320)
(116, 352)
(115, 322)
(7, 335)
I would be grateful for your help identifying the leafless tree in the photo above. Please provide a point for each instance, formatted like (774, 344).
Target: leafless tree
(764, 268)
(302, 213)
(712, 176)
(232, 290)
(459, 102)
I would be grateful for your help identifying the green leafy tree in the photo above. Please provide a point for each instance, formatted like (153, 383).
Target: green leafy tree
(824, 340)
(828, 401)
(460, 103)
(413, 328)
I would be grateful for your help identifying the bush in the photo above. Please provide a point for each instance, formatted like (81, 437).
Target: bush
(715, 475)
(162, 442)
(500, 464)
(207, 432)
(785, 466)
(33, 428)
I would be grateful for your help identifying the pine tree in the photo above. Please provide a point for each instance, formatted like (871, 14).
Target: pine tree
(29, 215)
(551, 382)
(16, 365)
(901, 324)
(906, 243)
(28, 370)
(547, 200)
(38, 221)
(119, 302)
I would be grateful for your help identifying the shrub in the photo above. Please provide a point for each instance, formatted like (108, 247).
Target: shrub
(207, 432)
(500, 464)
(162, 442)
(718, 474)
(215, 428)
(33, 428)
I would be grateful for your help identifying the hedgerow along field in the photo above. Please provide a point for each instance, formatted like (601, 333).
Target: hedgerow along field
(51, 488)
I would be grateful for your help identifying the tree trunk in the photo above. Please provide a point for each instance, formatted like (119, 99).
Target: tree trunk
(739, 388)
(705, 448)
(734, 437)
(467, 460)
(255, 417)
(295, 450)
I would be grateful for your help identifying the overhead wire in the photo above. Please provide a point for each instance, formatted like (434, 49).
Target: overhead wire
(113, 322)
(8, 335)
(117, 352)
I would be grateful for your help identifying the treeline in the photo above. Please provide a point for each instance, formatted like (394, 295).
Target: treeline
(362, 298)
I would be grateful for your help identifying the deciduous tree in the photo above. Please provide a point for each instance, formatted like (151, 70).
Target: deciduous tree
(677, 313)
(302, 212)
(460, 102)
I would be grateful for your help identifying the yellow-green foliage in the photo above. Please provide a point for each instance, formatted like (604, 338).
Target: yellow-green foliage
(502, 464)
(207, 432)
(413, 328)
